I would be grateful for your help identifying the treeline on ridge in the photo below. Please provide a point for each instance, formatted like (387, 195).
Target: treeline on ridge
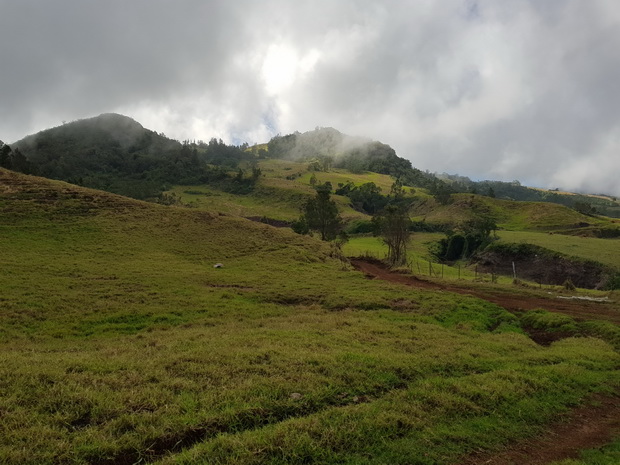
(116, 154)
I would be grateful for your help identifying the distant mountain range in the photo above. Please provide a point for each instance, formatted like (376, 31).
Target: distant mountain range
(116, 153)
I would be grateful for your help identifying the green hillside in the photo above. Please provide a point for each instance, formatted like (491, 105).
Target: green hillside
(121, 343)
(602, 204)
(285, 185)
(510, 215)
(280, 191)
(604, 251)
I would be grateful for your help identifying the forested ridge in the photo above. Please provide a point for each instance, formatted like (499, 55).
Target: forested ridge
(115, 153)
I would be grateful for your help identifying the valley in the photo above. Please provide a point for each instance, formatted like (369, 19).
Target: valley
(122, 342)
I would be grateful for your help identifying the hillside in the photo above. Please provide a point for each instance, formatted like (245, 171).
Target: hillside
(272, 182)
(512, 215)
(122, 343)
(284, 185)
(115, 153)
(108, 130)
(601, 204)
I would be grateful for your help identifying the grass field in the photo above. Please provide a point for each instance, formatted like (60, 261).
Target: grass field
(606, 251)
(509, 215)
(121, 343)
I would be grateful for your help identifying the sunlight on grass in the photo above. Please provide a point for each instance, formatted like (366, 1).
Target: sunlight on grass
(606, 251)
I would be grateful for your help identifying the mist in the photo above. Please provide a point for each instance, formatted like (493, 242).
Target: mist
(491, 90)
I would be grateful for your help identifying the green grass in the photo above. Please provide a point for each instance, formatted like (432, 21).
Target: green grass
(281, 191)
(119, 340)
(279, 204)
(606, 251)
(509, 215)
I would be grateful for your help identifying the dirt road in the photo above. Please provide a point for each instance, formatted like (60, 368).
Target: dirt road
(514, 302)
(590, 426)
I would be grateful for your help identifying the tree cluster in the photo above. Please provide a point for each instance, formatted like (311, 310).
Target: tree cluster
(390, 216)
(14, 159)
(366, 198)
(471, 236)
(585, 208)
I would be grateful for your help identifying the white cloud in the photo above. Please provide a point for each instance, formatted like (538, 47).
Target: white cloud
(513, 89)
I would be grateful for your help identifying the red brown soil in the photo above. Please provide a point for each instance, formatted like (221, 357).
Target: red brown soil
(586, 427)
(590, 426)
(581, 309)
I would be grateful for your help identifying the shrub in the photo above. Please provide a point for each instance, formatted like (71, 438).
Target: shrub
(568, 285)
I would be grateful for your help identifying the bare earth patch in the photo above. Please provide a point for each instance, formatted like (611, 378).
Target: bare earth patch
(586, 427)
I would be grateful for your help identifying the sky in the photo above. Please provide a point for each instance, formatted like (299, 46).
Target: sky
(502, 90)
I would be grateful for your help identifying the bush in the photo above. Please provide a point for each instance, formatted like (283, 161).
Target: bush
(568, 285)
(612, 283)
(360, 227)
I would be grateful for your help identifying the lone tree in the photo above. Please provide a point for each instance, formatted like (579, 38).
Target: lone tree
(320, 214)
(392, 224)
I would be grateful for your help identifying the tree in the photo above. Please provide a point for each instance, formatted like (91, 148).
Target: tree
(5, 156)
(367, 198)
(320, 214)
(20, 162)
(441, 191)
(392, 224)
(471, 236)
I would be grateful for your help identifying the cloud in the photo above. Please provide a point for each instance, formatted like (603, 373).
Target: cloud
(518, 89)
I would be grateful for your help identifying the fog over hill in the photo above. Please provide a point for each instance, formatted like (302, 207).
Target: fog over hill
(491, 90)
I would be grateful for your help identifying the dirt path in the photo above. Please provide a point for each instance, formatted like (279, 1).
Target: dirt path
(586, 427)
(513, 302)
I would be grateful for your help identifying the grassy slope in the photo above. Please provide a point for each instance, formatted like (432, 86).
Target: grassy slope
(285, 185)
(606, 251)
(120, 339)
(278, 197)
(508, 214)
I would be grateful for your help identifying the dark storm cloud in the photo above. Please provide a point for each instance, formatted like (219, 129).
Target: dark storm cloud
(518, 89)
(68, 59)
